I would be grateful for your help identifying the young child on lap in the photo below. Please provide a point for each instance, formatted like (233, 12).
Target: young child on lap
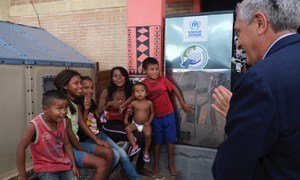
(46, 134)
(143, 115)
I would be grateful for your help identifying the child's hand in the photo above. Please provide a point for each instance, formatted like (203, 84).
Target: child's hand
(121, 109)
(147, 124)
(115, 104)
(87, 102)
(129, 111)
(187, 108)
(75, 171)
(101, 142)
(126, 123)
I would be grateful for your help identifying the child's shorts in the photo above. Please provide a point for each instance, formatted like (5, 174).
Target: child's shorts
(164, 129)
(56, 175)
(89, 148)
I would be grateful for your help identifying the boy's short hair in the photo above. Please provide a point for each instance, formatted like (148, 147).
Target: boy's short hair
(147, 61)
(51, 95)
(83, 78)
(139, 84)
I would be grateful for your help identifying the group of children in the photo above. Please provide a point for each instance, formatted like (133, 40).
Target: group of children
(152, 107)
(50, 133)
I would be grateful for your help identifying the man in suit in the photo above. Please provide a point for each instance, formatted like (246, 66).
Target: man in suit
(263, 121)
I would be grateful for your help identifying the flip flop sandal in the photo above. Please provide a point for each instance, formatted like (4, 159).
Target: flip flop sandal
(146, 158)
(129, 150)
(134, 150)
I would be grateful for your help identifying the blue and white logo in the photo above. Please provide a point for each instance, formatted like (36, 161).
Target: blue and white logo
(194, 25)
(194, 57)
(195, 29)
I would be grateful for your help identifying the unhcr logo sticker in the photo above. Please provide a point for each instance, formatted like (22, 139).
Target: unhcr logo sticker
(194, 25)
(194, 57)
(195, 29)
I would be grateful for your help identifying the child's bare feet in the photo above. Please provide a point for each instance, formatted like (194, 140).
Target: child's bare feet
(173, 171)
(155, 172)
(144, 172)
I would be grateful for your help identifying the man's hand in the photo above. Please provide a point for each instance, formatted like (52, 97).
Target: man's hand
(222, 98)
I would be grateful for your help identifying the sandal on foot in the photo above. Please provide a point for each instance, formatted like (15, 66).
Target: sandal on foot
(146, 158)
(134, 150)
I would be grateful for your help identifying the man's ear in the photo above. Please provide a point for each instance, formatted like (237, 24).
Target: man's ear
(261, 23)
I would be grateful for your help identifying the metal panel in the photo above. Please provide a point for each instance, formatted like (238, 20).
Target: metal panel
(197, 62)
(13, 120)
(35, 46)
(21, 98)
(204, 127)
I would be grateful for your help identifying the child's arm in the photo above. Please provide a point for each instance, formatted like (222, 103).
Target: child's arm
(184, 106)
(86, 107)
(27, 137)
(127, 102)
(126, 122)
(69, 151)
(72, 137)
(102, 102)
(88, 131)
(151, 113)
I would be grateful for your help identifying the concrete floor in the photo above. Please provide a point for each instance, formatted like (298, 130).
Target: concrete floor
(163, 174)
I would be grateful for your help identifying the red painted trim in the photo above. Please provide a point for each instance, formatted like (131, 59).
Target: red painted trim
(196, 6)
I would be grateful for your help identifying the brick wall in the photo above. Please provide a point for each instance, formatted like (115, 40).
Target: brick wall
(21, 2)
(179, 8)
(100, 34)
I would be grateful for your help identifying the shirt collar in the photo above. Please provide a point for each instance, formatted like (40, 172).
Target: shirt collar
(285, 35)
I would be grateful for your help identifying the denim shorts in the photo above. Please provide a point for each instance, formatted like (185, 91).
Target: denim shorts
(79, 155)
(68, 175)
(164, 129)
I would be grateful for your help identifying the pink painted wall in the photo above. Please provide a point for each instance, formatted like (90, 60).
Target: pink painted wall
(145, 12)
(145, 23)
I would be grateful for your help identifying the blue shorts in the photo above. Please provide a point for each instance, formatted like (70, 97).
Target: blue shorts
(56, 175)
(164, 129)
(79, 155)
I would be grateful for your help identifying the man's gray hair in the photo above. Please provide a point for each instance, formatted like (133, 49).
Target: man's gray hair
(281, 14)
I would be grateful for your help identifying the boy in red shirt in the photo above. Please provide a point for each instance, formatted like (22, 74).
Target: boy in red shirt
(51, 151)
(163, 124)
